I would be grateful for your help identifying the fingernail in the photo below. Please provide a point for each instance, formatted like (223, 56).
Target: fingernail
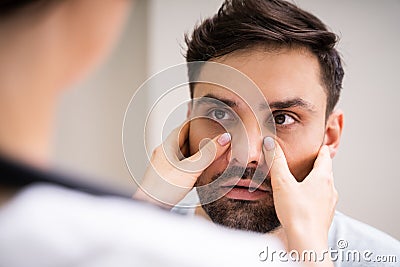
(269, 143)
(224, 139)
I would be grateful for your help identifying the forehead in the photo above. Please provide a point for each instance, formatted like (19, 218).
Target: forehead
(279, 75)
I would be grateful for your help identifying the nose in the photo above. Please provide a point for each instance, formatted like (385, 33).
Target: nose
(247, 146)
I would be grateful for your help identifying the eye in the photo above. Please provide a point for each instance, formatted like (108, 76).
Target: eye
(220, 114)
(284, 119)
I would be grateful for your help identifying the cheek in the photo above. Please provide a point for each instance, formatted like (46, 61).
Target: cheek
(202, 129)
(217, 167)
(300, 164)
(199, 130)
(195, 136)
(300, 155)
(301, 147)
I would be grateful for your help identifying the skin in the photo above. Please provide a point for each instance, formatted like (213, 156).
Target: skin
(301, 129)
(302, 150)
(305, 225)
(304, 129)
(43, 53)
(75, 36)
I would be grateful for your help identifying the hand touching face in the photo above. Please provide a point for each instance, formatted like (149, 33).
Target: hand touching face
(290, 81)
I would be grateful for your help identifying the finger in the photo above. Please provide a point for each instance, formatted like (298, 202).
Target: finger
(207, 154)
(184, 149)
(184, 140)
(179, 135)
(323, 161)
(274, 156)
(171, 146)
(175, 141)
(184, 133)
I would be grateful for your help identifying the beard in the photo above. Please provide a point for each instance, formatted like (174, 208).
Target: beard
(257, 216)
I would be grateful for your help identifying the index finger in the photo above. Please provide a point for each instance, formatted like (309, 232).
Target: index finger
(274, 156)
(207, 154)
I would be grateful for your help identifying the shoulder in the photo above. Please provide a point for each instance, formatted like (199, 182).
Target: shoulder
(70, 227)
(348, 234)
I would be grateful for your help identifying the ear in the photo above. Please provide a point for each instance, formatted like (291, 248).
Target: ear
(333, 131)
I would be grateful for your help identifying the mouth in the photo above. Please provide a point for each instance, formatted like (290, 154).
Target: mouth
(245, 189)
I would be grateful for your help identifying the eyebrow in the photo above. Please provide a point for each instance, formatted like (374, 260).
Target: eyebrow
(290, 103)
(216, 100)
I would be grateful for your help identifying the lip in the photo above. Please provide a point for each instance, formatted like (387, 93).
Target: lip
(240, 190)
(244, 183)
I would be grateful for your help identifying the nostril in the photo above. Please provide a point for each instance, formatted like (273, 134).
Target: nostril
(254, 162)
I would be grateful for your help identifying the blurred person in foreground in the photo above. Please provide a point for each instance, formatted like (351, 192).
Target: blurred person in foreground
(47, 219)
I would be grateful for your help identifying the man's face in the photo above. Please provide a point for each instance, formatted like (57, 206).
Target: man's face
(290, 81)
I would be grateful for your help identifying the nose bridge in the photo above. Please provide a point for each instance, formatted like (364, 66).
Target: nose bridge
(249, 144)
(255, 144)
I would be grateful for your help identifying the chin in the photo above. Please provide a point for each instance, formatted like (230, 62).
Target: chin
(254, 216)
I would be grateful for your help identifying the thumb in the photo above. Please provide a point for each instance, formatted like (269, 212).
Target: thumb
(206, 155)
(323, 161)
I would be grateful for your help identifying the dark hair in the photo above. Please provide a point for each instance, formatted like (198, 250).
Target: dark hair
(10, 7)
(245, 24)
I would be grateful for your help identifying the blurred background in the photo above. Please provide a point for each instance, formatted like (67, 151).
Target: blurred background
(89, 131)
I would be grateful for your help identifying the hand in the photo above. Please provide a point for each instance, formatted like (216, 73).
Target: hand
(305, 209)
(170, 176)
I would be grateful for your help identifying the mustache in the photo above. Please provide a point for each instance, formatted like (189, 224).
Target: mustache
(257, 175)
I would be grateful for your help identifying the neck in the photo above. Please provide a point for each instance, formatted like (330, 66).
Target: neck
(279, 233)
(26, 118)
(27, 82)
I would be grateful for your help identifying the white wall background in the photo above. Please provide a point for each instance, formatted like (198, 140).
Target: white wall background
(366, 168)
(88, 137)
